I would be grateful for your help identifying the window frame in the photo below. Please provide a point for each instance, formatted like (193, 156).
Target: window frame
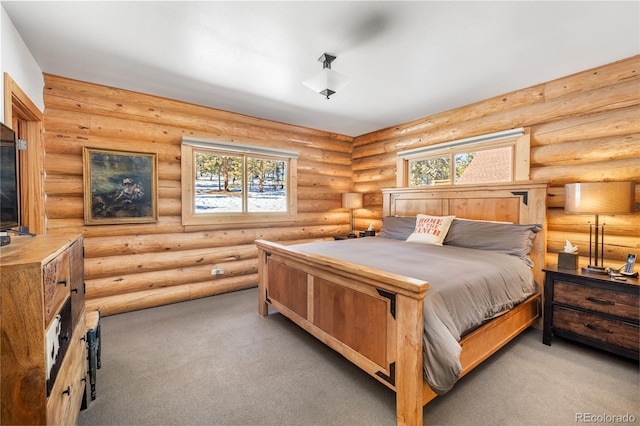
(518, 139)
(224, 219)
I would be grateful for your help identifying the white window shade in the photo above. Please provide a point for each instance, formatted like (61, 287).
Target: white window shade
(482, 139)
(237, 148)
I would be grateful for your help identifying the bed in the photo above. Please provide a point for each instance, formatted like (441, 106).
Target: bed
(375, 317)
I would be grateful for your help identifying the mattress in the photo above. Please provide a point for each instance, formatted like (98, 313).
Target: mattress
(467, 287)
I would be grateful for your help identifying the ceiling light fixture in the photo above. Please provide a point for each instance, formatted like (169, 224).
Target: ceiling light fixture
(327, 82)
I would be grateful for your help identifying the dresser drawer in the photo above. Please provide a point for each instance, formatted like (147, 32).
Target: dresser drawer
(55, 277)
(69, 387)
(623, 305)
(57, 341)
(597, 328)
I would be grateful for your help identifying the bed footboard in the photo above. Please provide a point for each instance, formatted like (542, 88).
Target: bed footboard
(372, 318)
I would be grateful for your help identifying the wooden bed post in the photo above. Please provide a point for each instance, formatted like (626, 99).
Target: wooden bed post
(263, 308)
(409, 376)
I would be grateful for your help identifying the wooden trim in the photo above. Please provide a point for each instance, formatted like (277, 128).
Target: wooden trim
(246, 219)
(16, 102)
(26, 120)
(520, 156)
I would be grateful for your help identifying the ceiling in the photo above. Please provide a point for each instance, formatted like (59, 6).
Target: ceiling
(406, 60)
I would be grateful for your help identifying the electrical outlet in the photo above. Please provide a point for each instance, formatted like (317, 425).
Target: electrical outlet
(216, 271)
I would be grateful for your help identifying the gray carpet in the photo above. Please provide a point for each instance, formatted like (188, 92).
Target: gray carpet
(214, 361)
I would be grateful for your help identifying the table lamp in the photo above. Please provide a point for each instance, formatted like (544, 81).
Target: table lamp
(352, 201)
(598, 198)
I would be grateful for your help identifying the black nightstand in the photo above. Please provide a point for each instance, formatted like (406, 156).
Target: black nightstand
(596, 310)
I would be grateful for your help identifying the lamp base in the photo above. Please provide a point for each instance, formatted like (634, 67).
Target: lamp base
(591, 269)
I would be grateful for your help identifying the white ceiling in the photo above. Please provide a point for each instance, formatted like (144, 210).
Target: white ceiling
(407, 60)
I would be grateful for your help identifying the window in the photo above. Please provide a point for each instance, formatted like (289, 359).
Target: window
(224, 183)
(496, 157)
(430, 171)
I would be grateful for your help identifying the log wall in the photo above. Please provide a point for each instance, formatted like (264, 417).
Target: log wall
(135, 266)
(584, 128)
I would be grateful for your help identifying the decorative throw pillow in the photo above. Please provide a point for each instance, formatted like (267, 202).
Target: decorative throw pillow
(397, 227)
(430, 229)
(509, 238)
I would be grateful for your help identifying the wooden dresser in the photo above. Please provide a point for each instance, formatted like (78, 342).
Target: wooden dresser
(592, 309)
(43, 348)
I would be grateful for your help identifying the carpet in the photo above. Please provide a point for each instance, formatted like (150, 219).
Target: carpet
(214, 361)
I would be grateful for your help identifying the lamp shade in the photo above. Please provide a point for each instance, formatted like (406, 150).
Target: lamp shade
(327, 82)
(352, 200)
(599, 198)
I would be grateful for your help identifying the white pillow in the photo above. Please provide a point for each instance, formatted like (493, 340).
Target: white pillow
(430, 229)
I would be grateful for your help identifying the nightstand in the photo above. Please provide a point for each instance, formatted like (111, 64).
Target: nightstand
(592, 309)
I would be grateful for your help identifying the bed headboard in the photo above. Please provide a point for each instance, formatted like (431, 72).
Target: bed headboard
(518, 202)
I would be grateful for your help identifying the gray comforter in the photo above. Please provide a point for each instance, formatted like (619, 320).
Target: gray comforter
(467, 287)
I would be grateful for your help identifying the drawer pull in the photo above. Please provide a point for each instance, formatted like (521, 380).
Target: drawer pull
(74, 290)
(64, 282)
(599, 301)
(597, 328)
(67, 391)
(65, 337)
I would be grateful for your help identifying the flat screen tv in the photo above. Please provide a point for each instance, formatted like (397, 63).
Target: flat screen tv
(9, 185)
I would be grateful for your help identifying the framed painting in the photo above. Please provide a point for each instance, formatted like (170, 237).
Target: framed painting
(119, 186)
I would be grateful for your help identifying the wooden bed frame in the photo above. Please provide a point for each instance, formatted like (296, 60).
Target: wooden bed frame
(375, 318)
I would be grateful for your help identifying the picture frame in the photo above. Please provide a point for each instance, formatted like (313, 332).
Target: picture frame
(119, 186)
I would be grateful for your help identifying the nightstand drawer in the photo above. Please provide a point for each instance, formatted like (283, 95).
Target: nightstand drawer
(623, 305)
(597, 328)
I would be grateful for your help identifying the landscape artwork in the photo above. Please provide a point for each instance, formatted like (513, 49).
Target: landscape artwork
(119, 187)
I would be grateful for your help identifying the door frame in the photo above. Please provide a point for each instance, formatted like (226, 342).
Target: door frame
(24, 117)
